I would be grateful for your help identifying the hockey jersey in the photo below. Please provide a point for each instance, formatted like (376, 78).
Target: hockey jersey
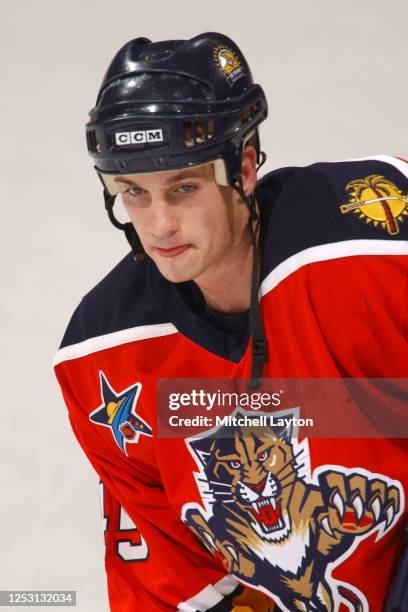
(191, 523)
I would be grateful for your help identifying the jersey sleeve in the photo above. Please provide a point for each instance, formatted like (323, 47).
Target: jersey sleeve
(152, 561)
(340, 269)
(359, 288)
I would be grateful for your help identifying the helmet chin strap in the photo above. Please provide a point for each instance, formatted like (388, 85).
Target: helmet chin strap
(259, 347)
(130, 232)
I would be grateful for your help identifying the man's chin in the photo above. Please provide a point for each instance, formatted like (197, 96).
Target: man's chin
(175, 275)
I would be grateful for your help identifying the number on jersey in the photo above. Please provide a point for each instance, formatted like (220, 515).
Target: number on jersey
(129, 542)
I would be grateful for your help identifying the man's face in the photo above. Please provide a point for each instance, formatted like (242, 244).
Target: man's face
(186, 222)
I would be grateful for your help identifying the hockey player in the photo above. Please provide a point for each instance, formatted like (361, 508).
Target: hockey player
(301, 275)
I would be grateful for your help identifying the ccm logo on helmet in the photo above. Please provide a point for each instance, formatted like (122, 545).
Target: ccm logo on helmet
(139, 137)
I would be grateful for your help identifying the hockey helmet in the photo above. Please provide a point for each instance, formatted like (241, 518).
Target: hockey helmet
(175, 104)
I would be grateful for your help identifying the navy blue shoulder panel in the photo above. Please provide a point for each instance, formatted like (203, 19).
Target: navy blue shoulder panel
(319, 204)
(122, 300)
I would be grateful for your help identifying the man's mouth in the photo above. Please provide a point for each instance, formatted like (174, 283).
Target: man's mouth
(174, 251)
(268, 514)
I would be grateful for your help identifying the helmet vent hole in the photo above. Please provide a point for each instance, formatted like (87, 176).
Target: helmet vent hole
(188, 133)
(154, 56)
(93, 145)
(255, 108)
(198, 132)
(245, 116)
(200, 135)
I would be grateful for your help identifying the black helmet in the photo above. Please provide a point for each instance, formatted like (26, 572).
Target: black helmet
(175, 104)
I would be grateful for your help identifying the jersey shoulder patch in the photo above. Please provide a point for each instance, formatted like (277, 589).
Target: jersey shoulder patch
(333, 202)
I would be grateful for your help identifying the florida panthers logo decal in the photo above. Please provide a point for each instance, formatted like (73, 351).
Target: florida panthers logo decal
(229, 64)
(378, 201)
(118, 412)
(277, 523)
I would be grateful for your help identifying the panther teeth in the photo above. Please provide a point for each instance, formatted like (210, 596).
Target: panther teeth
(270, 529)
(271, 501)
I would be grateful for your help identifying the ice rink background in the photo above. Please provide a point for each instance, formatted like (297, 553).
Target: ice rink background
(335, 74)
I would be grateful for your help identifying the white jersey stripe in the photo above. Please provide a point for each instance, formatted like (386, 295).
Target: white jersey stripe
(99, 343)
(326, 252)
(209, 596)
(205, 599)
(400, 164)
(227, 584)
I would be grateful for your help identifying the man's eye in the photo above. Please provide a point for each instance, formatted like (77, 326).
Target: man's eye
(135, 191)
(262, 456)
(187, 188)
(235, 464)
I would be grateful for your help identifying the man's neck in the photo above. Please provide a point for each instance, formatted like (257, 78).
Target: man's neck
(227, 288)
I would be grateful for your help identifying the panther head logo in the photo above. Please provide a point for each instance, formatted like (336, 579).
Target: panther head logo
(278, 526)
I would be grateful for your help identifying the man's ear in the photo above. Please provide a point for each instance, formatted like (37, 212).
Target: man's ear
(248, 169)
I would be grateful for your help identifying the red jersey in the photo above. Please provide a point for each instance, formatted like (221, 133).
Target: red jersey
(311, 524)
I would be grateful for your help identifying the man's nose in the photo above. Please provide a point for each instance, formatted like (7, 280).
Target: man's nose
(163, 221)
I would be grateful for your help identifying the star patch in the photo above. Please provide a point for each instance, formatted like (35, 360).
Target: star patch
(118, 412)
